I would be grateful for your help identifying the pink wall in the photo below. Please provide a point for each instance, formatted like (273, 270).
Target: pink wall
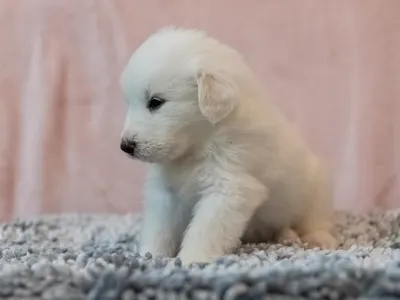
(333, 67)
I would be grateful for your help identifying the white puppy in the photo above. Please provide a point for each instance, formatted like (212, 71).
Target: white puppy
(226, 166)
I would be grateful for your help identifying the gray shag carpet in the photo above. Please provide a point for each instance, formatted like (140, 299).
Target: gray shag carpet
(95, 257)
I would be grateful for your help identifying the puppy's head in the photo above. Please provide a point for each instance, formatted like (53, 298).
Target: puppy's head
(178, 85)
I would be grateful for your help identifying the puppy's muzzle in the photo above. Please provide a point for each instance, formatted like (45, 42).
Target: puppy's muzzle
(128, 146)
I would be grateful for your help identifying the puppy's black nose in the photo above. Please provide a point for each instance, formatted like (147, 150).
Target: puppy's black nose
(128, 146)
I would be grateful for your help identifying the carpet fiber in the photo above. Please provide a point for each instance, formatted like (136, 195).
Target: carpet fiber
(95, 257)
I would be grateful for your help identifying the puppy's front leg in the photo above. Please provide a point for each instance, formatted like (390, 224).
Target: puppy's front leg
(219, 222)
(165, 220)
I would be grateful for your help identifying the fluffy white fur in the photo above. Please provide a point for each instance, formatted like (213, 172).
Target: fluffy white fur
(225, 164)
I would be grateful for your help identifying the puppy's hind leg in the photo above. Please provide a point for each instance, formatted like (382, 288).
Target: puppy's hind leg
(315, 228)
(317, 234)
(288, 236)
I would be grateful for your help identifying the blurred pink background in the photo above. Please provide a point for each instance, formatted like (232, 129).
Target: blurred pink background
(332, 66)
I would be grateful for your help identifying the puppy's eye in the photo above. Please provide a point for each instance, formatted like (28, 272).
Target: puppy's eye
(155, 103)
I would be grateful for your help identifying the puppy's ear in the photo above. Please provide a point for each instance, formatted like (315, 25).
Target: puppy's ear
(217, 96)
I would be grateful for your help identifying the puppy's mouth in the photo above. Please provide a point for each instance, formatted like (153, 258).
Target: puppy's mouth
(150, 153)
(143, 157)
(133, 151)
(131, 156)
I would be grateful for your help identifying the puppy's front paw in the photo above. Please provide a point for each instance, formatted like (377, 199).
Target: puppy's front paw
(165, 251)
(145, 252)
(188, 258)
(320, 239)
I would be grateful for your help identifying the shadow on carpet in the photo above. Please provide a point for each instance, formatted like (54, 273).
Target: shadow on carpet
(95, 257)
